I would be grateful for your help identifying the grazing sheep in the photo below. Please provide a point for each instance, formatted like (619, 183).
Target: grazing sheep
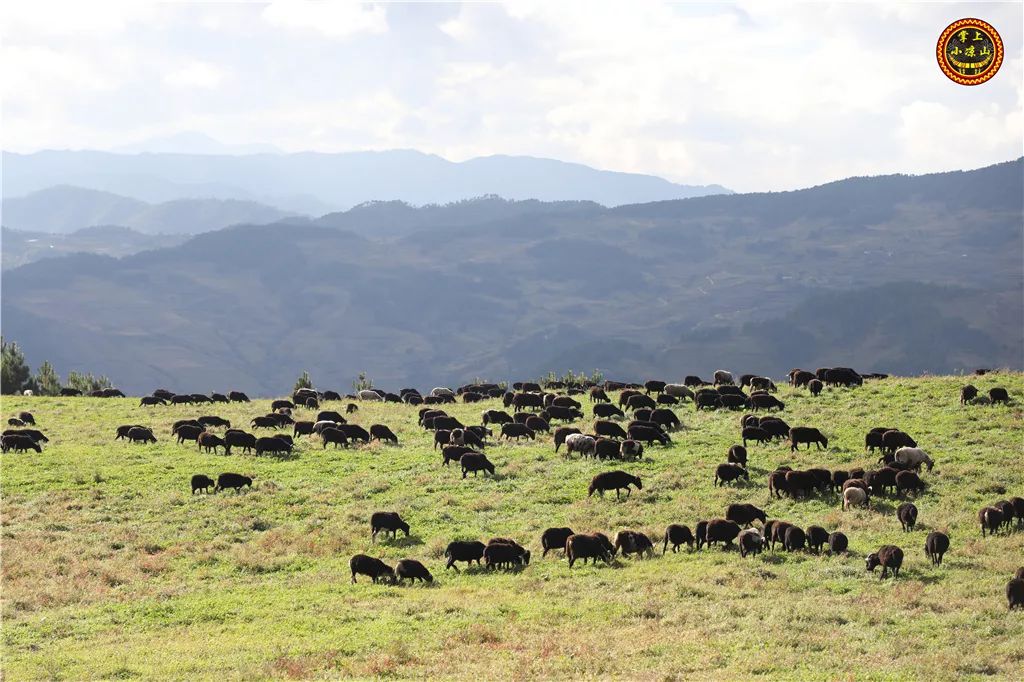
(738, 455)
(967, 394)
(18, 442)
(640, 400)
(678, 391)
(719, 530)
(990, 518)
(475, 461)
(894, 439)
(838, 479)
(350, 408)
(238, 439)
(210, 442)
(609, 429)
(705, 400)
(607, 410)
(1015, 592)
(633, 542)
(274, 445)
(806, 434)
(745, 514)
(908, 481)
(517, 431)
(201, 482)
(759, 401)
(382, 432)
(464, 551)
(304, 428)
(677, 534)
(562, 433)
(333, 435)
(613, 480)
(854, 496)
(593, 546)
(755, 433)
(907, 514)
(369, 395)
(723, 377)
(554, 538)
(647, 434)
(796, 538)
(413, 570)
(750, 541)
(598, 395)
(913, 458)
(536, 424)
(1018, 509)
(266, 422)
(122, 431)
(666, 418)
(725, 473)
(387, 522)
(453, 453)
(889, 557)
(495, 417)
(935, 545)
(838, 543)
(579, 442)
(631, 449)
(801, 484)
(151, 400)
(505, 553)
(140, 434)
(27, 417)
(375, 568)
(777, 484)
(999, 395)
(230, 480)
(815, 386)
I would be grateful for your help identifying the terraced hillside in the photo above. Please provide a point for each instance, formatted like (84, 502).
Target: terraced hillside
(113, 570)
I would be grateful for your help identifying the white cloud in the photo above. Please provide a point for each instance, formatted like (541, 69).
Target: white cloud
(196, 75)
(332, 19)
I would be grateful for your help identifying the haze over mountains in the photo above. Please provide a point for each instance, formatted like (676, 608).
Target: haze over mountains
(897, 273)
(315, 183)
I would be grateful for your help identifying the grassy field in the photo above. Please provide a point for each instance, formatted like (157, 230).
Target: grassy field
(112, 570)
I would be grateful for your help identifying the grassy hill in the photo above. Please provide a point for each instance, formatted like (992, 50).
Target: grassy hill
(113, 570)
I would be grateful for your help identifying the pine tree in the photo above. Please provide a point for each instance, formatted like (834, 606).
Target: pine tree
(303, 381)
(46, 380)
(14, 371)
(86, 383)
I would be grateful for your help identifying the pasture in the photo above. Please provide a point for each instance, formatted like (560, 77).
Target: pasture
(113, 570)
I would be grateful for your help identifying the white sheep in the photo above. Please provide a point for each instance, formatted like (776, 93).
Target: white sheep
(581, 443)
(853, 496)
(914, 457)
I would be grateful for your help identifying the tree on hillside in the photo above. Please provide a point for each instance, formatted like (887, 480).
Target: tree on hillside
(362, 382)
(303, 381)
(87, 383)
(46, 380)
(14, 371)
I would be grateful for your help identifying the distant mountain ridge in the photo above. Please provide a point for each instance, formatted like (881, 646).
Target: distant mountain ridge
(65, 209)
(901, 274)
(316, 183)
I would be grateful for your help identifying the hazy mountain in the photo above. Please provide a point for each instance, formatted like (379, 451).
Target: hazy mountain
(66, 209)
(314, 183)
(192, 142)
(20, 248)
(897, 274)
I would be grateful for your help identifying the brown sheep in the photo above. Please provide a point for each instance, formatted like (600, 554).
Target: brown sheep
(889, 557)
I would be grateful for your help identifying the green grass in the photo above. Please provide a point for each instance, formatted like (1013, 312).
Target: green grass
(111, 569)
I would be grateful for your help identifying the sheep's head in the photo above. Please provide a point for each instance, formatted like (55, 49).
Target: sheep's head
(872, 562)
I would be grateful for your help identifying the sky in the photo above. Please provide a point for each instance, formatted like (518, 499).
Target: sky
(754, 96)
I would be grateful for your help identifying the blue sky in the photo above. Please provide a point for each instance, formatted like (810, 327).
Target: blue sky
(755, 96)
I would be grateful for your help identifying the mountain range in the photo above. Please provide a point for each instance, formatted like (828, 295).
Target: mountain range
(316, 183)
(902, 274)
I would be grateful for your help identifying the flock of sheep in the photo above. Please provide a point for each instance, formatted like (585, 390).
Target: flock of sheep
(653, 419)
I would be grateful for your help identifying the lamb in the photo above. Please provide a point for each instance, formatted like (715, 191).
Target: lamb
(554, 538)
(413, 570)
(914, 458)
(677, 534)
(202, 482)
(633, 542)
(387, 522)
(613, 480)
(594, 546)
(745, 514)
(907, 514)
(631, 449)
(854, 496)
(730, 472)
(375, 568)
(889, 557)
(463, 551)
(935, 545)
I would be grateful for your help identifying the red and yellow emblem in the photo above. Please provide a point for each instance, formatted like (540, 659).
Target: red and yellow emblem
(969, 51)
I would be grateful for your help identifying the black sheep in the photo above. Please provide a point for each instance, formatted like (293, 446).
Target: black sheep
(745, 514)
(908, 481)
(806, 434)
(720, 530)
(795, 538)
(413, 570)
(229, 480)
(382, 432)
(375, 568)
(517, 431)
(18, 442)
(816, 538)
(889, 557)
(554, 538)
(1015, 592)
(907, 514)
(646, 434)
(463, 551)
(609, 429)
(475, 461)
(738, 455)
(935, 545)
(991, 519)
(755, 433)
(387, 522)
(201, 482)
(613, 480)
(999, 395)
(838, 543)
(505, 553)
(593, 546)
(141, 434)
(677, 534)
